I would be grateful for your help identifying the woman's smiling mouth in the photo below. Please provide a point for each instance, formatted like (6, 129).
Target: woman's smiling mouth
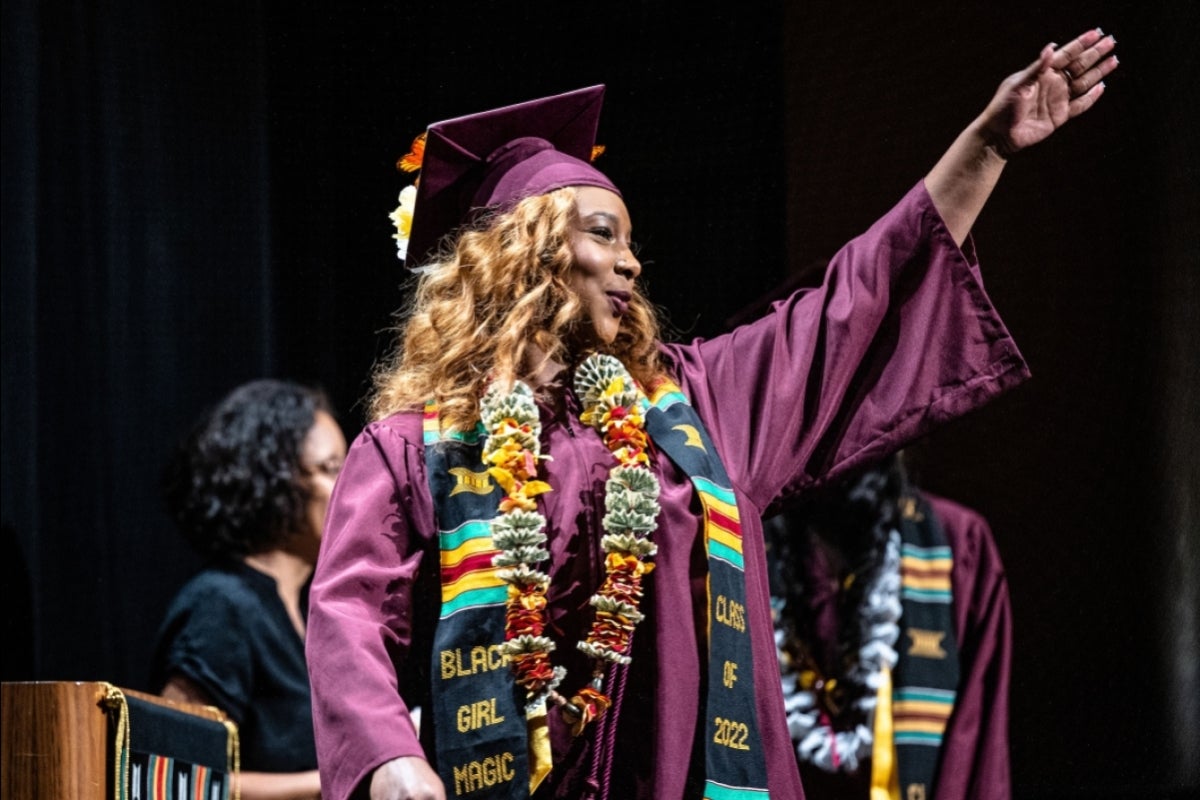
(619, 302)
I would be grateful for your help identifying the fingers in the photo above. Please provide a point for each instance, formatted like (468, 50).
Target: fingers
(1090, 56)
(1083, 102)
(1039, 65)
(1087, 70)
(1072, 50)
(1080, 84)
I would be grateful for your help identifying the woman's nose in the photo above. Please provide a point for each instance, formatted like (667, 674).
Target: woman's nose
(628, 265)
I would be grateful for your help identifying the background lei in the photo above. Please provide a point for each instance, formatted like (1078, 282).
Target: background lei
(613, 405)
(805, 691)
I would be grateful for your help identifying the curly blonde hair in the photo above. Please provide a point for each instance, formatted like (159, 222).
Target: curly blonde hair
(477, 310)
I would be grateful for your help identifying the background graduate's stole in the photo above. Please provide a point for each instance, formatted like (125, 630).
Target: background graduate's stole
(927, 673)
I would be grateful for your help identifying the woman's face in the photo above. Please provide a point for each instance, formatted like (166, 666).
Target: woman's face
(321, 457)
(605, 266)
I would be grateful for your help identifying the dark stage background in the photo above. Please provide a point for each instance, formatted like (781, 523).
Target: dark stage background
(197, 194)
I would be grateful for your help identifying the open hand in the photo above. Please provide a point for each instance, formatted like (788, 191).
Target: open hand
(1062, 83)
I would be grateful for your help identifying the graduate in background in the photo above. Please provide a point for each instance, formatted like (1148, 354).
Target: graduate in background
(894, 633)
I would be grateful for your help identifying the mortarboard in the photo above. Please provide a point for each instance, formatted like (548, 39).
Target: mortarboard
(495, 158)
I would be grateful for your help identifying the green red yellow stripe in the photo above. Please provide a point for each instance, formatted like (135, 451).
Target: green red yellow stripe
(468, 577)
(160, 781)
(200, 779)
(432, 433)
(722, 524)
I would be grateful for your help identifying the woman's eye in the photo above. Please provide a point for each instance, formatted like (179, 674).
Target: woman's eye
(604, 233)
(329, 468)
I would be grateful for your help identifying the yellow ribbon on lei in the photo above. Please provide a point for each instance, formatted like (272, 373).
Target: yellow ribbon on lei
(538, 725)
(885, 776)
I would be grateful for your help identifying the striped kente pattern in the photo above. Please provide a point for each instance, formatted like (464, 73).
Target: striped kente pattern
(432, 433)
(921, 715)
(469, 580)
(722, 525)
(168, 779)
(925, 573)
(161, 772)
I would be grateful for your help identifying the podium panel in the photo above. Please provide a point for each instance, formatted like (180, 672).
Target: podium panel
(95, 741)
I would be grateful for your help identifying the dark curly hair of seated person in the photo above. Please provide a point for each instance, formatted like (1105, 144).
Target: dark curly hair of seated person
(235, 485)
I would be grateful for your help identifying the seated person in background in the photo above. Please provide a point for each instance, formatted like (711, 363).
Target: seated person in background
(248, 488)
(893, 630)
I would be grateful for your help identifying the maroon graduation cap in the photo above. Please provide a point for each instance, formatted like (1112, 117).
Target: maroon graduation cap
(495, 158)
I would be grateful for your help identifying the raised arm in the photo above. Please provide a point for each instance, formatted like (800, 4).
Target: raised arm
(1062, 83)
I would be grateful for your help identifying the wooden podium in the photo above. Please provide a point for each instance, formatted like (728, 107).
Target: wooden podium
(95, 741)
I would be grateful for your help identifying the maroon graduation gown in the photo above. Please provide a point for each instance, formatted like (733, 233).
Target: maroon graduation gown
(899, 338)
(974, 759)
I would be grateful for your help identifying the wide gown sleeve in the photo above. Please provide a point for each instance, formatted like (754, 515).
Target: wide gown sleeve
(900, 337)
(360, 608)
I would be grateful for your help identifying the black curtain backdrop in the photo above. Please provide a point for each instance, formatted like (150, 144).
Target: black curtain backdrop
(196, 195)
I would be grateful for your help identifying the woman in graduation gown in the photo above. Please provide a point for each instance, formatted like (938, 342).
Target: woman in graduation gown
(874, 573)
(548, 539)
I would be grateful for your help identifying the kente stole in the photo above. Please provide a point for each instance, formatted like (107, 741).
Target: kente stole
(927, 672)
(477, 710)
(480, 732)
